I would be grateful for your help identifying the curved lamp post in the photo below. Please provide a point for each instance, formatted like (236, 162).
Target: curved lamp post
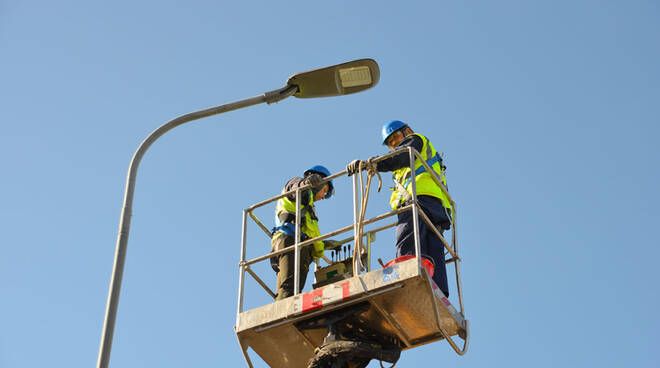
(341, 79)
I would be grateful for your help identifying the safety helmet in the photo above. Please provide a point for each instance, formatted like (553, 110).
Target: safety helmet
(391, 127)
(324, 172)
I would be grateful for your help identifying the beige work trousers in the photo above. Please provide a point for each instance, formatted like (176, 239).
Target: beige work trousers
(284, 265)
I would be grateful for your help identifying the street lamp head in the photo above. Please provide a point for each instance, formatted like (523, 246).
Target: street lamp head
(342, 79)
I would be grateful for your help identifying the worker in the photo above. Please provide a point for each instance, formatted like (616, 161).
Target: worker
(435, 204)
(283, 234)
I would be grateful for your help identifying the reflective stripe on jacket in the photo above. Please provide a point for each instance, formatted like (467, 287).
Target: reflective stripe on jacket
(423, 180)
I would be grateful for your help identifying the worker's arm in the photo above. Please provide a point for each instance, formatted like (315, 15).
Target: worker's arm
(314, 179)
(402, 159)
(293, 184)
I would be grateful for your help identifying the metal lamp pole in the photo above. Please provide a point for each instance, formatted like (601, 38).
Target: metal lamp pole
(346, 78)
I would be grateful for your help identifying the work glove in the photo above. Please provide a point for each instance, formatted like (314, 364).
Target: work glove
(331, 244)
(315, 180)
(317, 252)
(353, 167)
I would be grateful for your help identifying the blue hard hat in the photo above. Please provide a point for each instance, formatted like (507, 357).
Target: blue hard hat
(324, 172)
(392, 127)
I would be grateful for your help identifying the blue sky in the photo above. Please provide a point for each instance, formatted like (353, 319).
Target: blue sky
(548, 114)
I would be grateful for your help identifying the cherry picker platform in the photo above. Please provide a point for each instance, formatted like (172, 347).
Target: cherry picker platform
(351, 317)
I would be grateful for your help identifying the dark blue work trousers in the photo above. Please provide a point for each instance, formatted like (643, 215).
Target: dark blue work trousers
(430, 244)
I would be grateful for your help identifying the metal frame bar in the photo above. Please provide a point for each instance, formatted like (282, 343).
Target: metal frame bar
(260, 281)
(445, 334)
(427, 220)
(415, 210)
(331, 234)
(260, 224)
(296, 262)
(241, 266)
(457, 260)
(457, 264)
(292, 191)
(245, 353)
(356, 210)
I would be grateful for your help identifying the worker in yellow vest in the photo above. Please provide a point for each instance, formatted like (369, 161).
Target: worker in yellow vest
(283, 234)
(397, 134)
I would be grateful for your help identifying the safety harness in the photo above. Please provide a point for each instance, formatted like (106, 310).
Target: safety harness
(287, 221)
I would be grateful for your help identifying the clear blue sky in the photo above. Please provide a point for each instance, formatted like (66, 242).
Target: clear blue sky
(548, 114)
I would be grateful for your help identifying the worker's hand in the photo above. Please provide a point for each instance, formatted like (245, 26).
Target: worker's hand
(372, 161)
(317, 253)
(315, 180)
(317, 250)
(353, 167)
(370, 164)
(330, 244)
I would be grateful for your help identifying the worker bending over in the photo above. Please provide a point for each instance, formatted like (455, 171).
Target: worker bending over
(284, 232)
(396, 134)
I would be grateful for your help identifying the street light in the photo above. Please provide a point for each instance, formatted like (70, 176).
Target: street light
(342, 79)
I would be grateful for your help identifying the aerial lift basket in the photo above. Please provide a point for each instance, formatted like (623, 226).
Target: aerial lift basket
(400, 302)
